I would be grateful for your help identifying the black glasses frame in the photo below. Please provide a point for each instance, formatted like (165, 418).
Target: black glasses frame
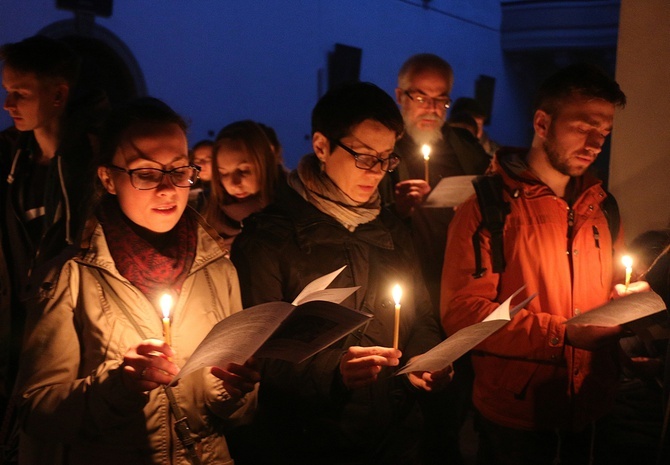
(387, 164)
(428, 101)
(170, 173)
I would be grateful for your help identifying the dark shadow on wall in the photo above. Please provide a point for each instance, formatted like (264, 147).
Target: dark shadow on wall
(107, 63)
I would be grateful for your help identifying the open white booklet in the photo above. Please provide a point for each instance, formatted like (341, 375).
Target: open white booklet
(287, 331)
(449, 350)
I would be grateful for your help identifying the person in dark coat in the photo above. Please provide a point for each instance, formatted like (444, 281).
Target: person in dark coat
(343, 405)
(425, 82)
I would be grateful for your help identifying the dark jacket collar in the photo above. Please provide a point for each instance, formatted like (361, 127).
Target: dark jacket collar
(313, 226)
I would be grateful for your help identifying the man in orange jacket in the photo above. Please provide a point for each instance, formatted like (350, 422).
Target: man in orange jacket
(540, 384)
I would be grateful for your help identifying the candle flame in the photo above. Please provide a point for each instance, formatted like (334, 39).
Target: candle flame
(425, 149)
(627, 261)
(397, 294)
(166, 305)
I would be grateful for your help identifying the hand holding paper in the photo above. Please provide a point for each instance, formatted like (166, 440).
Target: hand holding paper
(602, 325)
(432, 381)
(239, 380)
(620, 311)
(449, 350)
(281, 330)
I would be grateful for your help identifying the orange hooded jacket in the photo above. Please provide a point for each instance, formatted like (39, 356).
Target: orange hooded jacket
(526, 377)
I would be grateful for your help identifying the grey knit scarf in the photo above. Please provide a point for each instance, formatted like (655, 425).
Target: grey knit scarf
(318, 189)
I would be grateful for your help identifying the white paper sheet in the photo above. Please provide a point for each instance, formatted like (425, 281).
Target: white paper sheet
(449, 350)
(280, 329)
(450, 192)
(622, 310)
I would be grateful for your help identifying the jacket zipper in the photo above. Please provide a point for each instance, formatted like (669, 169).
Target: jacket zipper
(571, 224)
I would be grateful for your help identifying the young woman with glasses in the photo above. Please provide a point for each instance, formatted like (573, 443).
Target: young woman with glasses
(97, 358)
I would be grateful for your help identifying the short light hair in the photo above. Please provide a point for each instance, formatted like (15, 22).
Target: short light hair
(422, 62)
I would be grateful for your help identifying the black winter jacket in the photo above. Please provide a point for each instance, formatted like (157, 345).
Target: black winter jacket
(306, 415)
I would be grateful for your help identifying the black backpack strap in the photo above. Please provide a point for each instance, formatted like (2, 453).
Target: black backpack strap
(610, 208)
(479, 270)
(494, 209)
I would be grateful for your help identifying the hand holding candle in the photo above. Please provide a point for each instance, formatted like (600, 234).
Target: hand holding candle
(628, 263)
(425, 150)
(166, 307)
(397, 294)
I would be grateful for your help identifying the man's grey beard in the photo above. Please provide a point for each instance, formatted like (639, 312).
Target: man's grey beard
(421, 136)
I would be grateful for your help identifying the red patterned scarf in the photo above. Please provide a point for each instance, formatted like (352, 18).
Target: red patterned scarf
(153, 265)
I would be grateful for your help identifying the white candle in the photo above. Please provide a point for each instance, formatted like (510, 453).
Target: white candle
(166, 307)
(397, 294)
(628, 263)
(425, 150)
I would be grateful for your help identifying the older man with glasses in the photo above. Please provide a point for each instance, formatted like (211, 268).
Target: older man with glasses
(425, 82)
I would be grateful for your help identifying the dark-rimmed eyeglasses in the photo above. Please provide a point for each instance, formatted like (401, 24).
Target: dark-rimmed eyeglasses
(429, 102)
(366, 161)
(144, 179)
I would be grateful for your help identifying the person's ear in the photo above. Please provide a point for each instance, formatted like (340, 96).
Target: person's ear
(61, 95)
(321, 146)
(541, 123)
(106, 179)
(398, 95)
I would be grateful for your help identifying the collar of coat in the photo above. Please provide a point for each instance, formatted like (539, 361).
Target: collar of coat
(210, 246)
(312, 226)
(520, 180)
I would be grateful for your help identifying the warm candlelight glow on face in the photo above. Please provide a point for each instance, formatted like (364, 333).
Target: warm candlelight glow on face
(425, 150)
(397, 294)
(166, 305)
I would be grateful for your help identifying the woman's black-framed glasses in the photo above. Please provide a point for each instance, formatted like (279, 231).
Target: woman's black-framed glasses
(144, 179)
(366, 161)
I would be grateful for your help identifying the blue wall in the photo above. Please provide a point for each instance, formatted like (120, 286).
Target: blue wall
(216, 61)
